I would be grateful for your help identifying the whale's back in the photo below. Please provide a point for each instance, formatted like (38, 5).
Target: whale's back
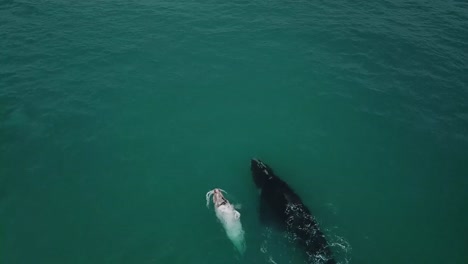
(279, 201)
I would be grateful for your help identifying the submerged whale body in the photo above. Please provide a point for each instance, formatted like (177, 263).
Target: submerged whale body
(279, 202)
(229, 217)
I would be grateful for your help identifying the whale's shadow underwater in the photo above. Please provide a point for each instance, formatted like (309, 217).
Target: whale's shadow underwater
(280, 205)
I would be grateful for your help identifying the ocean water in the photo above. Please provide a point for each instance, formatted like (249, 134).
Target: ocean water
(116, 117)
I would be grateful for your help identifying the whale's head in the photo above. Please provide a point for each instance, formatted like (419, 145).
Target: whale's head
(260, 172)
(218, 198)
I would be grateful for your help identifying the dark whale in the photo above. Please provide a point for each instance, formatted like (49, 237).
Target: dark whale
(278, 202)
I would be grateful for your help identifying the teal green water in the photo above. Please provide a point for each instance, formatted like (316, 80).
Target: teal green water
(116, 117)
